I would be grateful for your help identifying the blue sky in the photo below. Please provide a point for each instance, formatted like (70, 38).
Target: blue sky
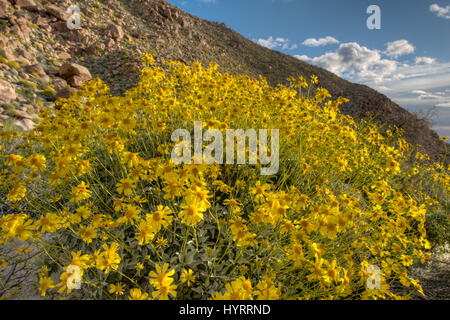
(408, 59)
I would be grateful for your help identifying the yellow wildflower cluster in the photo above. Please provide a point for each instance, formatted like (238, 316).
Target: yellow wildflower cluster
(94, 186)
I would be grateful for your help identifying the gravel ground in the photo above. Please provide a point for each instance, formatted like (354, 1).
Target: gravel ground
(433, 276)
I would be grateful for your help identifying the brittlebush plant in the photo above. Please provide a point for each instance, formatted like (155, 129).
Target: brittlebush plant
(94, 186)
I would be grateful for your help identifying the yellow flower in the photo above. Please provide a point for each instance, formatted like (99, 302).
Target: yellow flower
(45, 283)
(131, 214)
(187, 276)
(163, 290)
(17, 193)
(266, 290)
(137, 294)
(146, 232)
(109, 258)
(125, 186)
(296, 254)
(161, 242)
(191, 214)
(117, 289)
(160, 218)
(259, 190)
(161, 275)
(139, 266)
(80, 193)
(79, 260)
(87, 233)
(239, 289)
(37, 162)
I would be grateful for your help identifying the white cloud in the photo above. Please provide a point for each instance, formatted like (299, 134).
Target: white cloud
(312, 42)
(425, 60)
(355, 62)
(421, 83)
(442, 12)
(279, 42)
(399, 48)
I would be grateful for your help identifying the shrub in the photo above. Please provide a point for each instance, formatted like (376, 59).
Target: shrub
(96, 189)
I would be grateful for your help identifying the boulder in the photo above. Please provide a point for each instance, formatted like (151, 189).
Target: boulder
(7, 92)
(25, 4)
(57, 12)
(109, 43)
(92, 50)
(63, 55)
(4, 7)
(75, 81)
(60, 26)
(40, 21)
(65, 92)
(59, 84)
(114, 31)
(27, 124)
(21, 114)
(68, 70)
(35, 68)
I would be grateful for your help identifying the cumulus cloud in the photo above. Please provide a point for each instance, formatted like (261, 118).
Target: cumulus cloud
(442, 12)
(425, 60)
(422, 83)
(279, 42)
(399, 48)
(312, 42)
(416, 85)
(355, 62)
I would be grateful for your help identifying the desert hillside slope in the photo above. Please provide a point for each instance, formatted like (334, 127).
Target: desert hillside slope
(36, 44)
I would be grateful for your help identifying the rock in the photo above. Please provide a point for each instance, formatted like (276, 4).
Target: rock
(63, 55)
(7, 92)
(35, 68)
(21, 114)
(4, 7)
(65, 92)
(68, 70)
(26, 4)
(27, 124)
(4, 117)
(91, 50)
(25, 53)
(60, 26)
(59, 84)
(109, 43)
(114, 31)
(36, 108)
(23, 60)
(57, 12)
(9, 55)
(24, 75)
(46, 28)
(45, 79)
(75, 81)
(40, 21)
(1, 110)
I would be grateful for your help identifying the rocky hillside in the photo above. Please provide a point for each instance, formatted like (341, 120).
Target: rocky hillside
(41, 59)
